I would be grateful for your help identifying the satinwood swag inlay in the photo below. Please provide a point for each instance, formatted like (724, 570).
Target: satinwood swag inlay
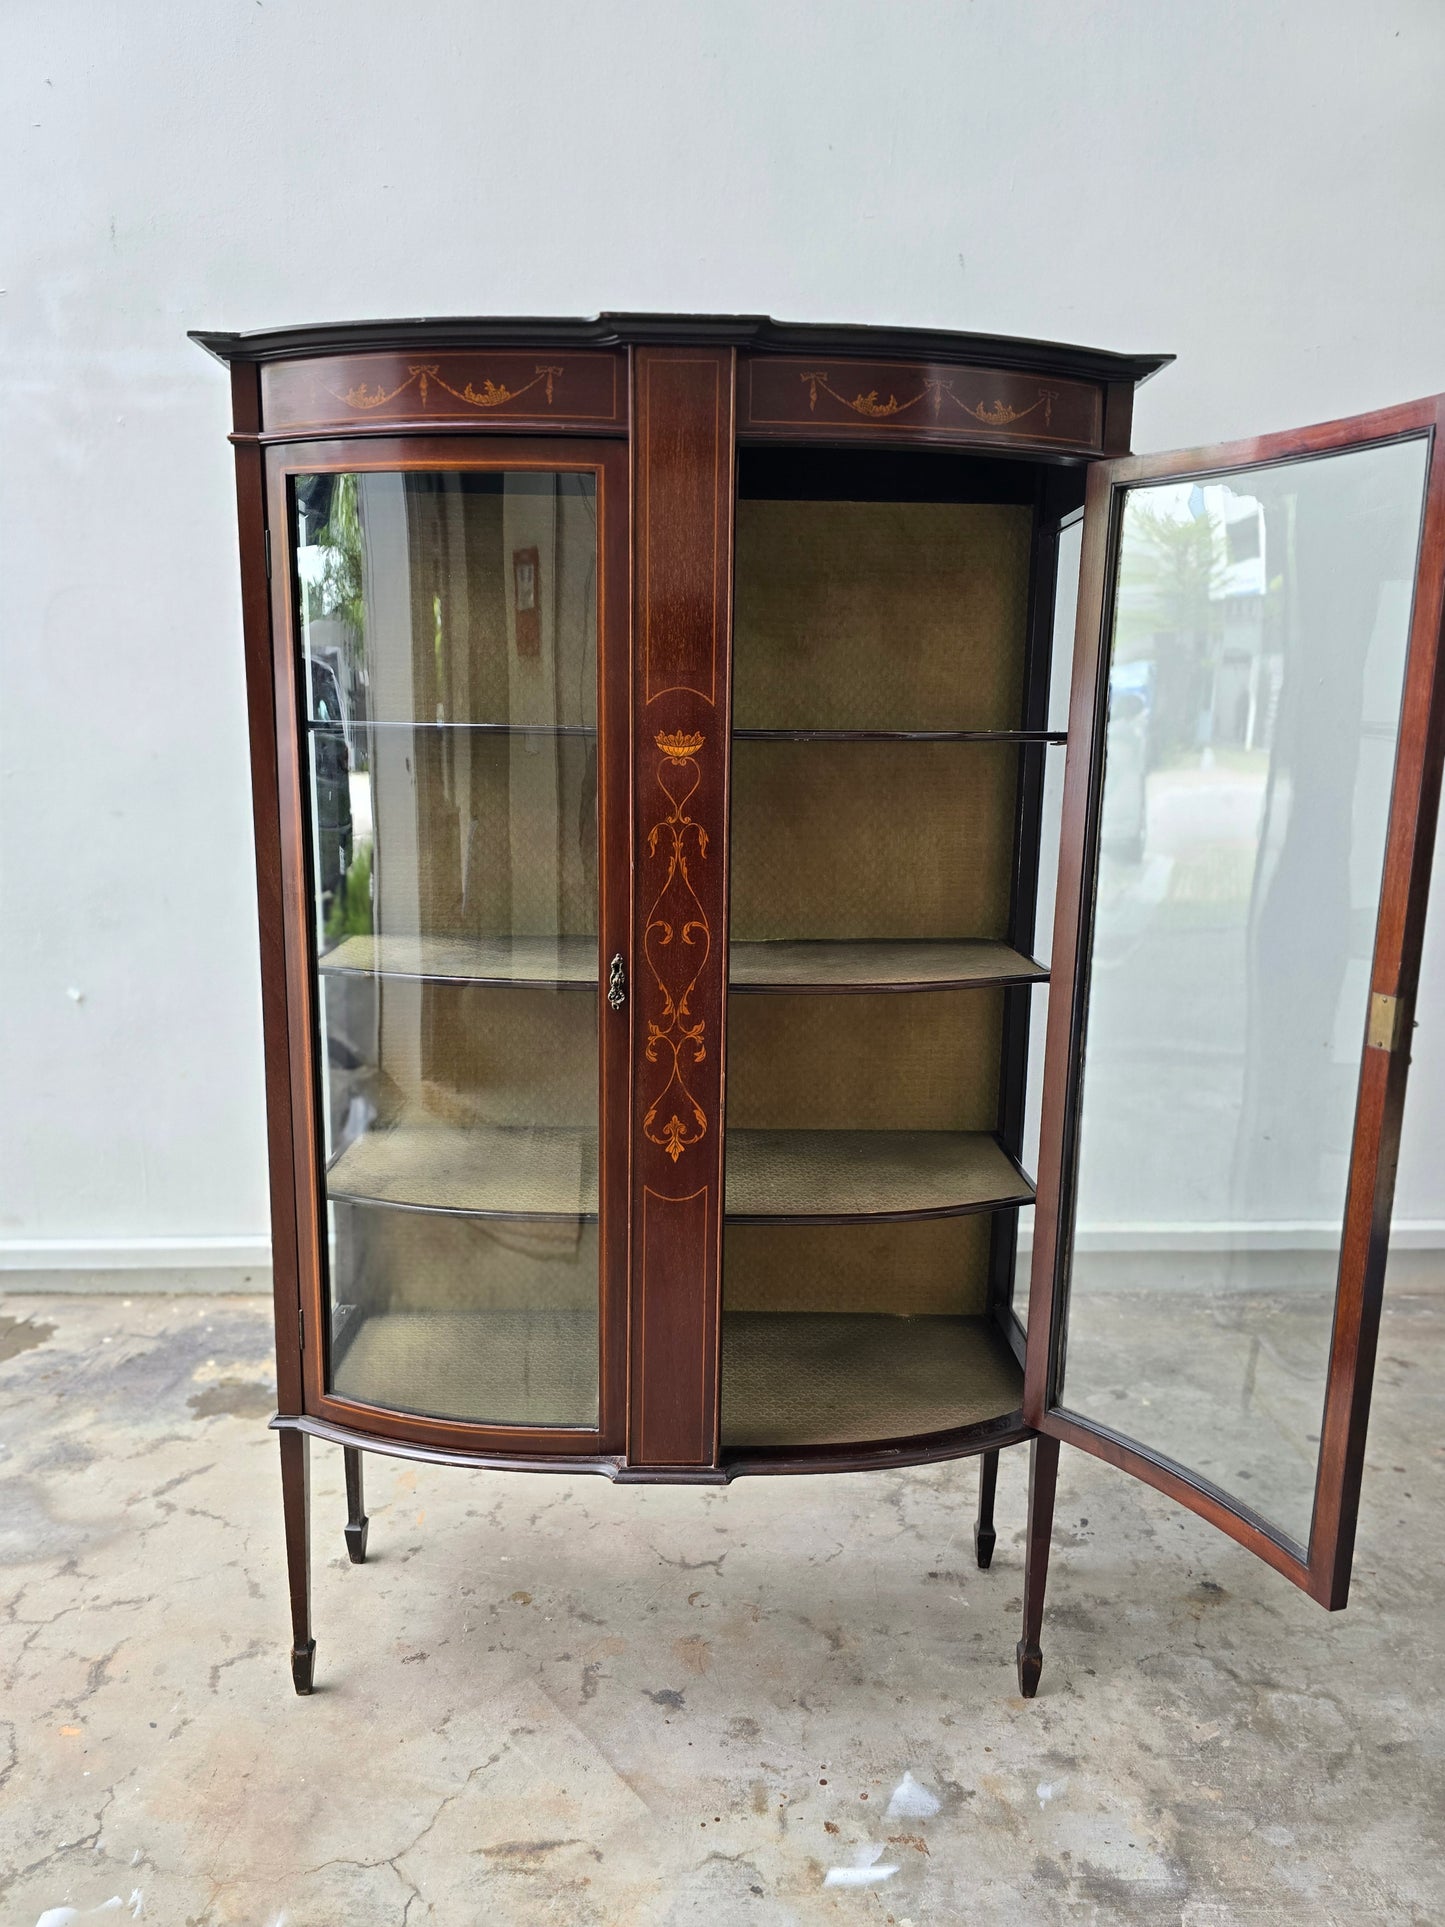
(676, 940)
(937, 389)
(424, 376)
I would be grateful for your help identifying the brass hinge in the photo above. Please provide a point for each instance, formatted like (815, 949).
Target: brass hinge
(268, 554)
(1383, 1032)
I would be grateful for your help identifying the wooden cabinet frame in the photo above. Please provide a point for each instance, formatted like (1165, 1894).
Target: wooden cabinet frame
(658, 411)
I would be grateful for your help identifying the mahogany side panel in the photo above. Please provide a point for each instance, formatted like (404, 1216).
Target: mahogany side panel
(809, 397)
(564, 390)
(266, 818)
(682, 451)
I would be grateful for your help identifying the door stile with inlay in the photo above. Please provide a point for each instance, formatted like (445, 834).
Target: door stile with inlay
(682, 454)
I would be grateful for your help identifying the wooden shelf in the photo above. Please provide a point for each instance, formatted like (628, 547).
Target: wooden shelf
(494, 1171)
(829, 1177)
(570, 963)
(832, 1378)
(556, 962)
(878, 965)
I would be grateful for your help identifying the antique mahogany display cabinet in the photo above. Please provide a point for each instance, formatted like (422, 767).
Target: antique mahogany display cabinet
(817, 914)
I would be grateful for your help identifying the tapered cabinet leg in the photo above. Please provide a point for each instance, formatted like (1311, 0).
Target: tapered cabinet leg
(356, 1519)
(1043, 1479)
(296, 1503)
(984, 1536)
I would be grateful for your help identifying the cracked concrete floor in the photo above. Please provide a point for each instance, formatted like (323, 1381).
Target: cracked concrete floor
(558, 1700)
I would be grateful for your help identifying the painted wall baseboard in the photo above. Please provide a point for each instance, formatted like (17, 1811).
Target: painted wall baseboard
(128, 1266)
(1406, 1234)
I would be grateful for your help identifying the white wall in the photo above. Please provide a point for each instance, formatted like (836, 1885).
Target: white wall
(1256, 186)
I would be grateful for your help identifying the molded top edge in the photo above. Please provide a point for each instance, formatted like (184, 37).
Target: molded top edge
(757, 332)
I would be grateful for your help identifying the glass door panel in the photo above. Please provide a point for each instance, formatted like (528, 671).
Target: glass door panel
(1249, 705)
(449, 624)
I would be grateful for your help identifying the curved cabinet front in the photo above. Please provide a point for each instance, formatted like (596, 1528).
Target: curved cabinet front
(445, 610)
(658, 730)
(664, 756)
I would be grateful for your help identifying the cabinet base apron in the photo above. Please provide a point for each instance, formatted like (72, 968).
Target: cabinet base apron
(983, 1441)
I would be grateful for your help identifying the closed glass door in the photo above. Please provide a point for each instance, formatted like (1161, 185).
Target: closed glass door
(448, 623)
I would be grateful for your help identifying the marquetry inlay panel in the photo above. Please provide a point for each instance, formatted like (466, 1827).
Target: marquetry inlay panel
(806, 396)
(561, 389)
(683, 456)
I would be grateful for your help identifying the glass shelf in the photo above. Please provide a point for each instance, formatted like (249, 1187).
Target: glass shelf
(553, 963)
(511, 1171)
(550, 1171)
(324, 726)
(878, 964)
(831, 1378)
(833, 1176)
(570, 963)
(1046, 736)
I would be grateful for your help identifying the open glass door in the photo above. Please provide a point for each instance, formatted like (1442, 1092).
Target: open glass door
(1249, 813)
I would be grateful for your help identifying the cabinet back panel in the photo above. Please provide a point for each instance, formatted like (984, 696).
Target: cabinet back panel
(936, 1266)
(896, 1062)
(890, 840)
(880, 615)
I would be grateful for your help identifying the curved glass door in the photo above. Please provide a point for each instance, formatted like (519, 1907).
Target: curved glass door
(449, 627)
(1242, 938)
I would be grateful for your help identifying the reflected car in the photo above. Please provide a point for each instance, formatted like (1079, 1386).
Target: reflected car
(331, 785)
(1126, 795)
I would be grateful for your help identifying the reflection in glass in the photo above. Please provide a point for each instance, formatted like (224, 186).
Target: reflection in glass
(1254, 688)
(450, 644)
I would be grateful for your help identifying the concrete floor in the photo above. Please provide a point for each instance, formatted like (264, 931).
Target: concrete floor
(788, 1701)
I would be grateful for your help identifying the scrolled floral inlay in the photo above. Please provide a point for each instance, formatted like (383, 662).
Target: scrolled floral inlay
(425, 376)
(676, 940)
(934, 388)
